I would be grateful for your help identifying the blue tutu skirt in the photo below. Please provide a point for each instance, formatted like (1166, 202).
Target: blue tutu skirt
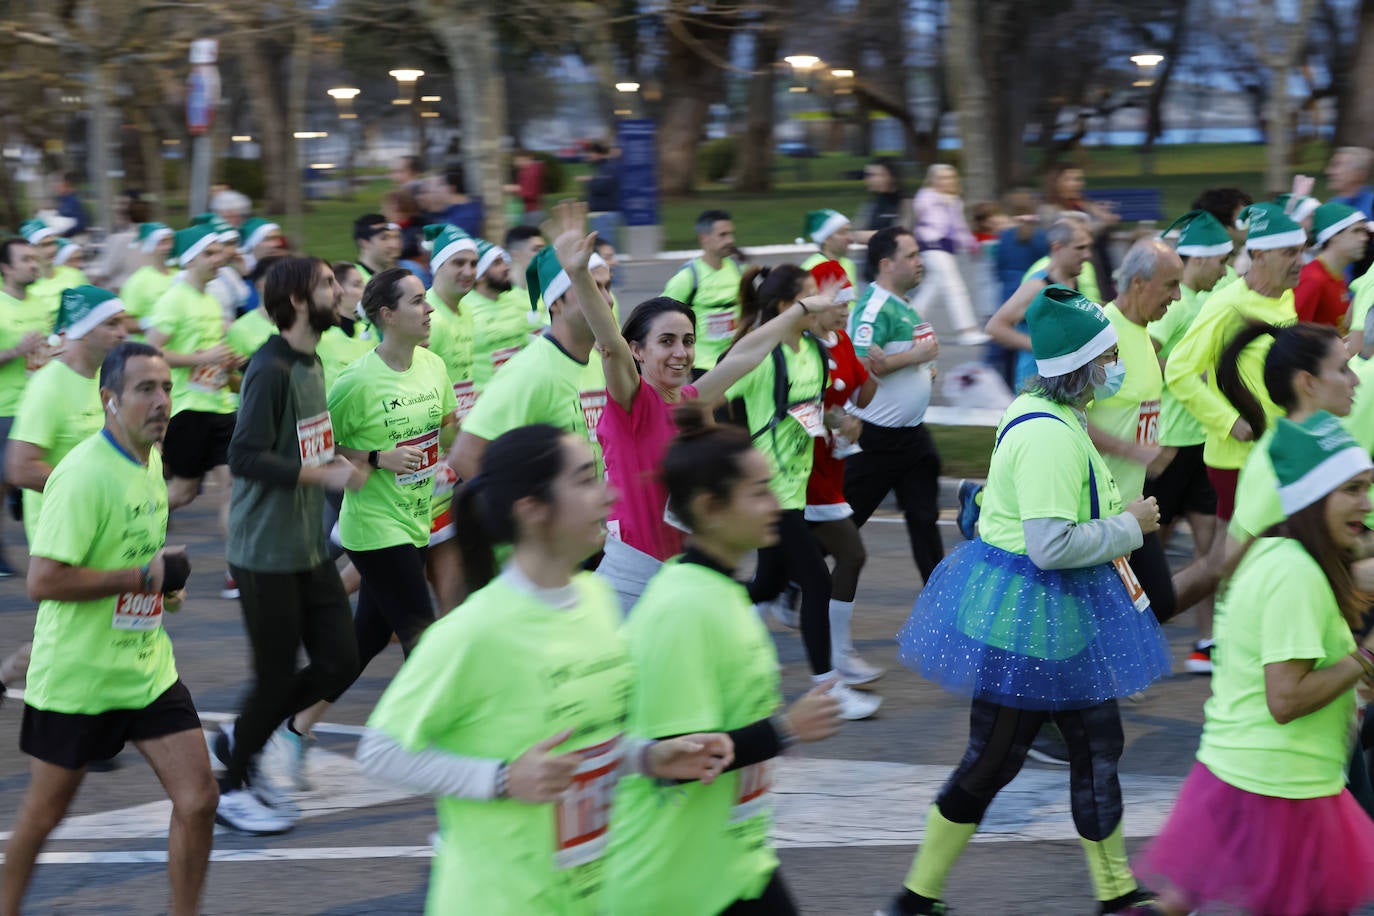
(992, 625)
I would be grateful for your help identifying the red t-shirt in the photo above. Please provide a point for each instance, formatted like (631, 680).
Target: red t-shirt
(1321, 296)
(825, 488)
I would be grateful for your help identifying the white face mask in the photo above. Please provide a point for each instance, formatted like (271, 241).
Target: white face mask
(1107, 379)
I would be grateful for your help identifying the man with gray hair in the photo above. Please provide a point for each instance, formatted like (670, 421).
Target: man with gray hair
(231, 206)
(1347, 178)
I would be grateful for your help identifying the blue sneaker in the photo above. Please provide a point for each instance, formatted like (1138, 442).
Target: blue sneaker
(969, 508)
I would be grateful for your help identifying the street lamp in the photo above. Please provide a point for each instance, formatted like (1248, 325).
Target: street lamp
(343, 97)
(802, 62)
(1146, 62)
(629, 89)
(405, 94)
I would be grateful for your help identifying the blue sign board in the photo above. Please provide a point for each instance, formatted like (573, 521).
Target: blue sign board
(638, 171)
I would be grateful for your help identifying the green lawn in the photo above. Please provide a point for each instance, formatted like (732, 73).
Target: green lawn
(964, 450)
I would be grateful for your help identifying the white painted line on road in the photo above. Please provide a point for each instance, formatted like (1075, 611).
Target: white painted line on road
(324, 728)
(159, 856)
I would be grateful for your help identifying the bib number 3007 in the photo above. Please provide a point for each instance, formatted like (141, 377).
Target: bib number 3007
(138, 611)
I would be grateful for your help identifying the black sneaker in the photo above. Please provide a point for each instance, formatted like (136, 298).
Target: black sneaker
(1049, 746)
(1200, 659)
(1138, 902)
(910, 904)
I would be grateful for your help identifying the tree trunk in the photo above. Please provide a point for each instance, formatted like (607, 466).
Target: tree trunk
(1279, 117)
(969, 86)
(1154, 107)
(273, 135)
(295, 120)
(1355, 108)
(101, 100)
(754, 161)
(695, 83)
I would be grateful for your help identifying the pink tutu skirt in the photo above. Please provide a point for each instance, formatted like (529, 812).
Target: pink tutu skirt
(1230, 850)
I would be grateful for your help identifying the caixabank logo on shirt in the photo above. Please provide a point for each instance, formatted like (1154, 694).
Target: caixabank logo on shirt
(402, 401)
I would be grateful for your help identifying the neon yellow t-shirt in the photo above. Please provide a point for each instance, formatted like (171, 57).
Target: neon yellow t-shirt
(1278, 607)
(499, 331)
(372, 406)
(1192, 368)
(450, 338)
(788, 445)
(19, 317)
(101, 510)
(714, 297)
(1362, 299)
(1360, 423)
(847, 263)
(1087, 278)
(143, 288)
(543, 384)
(1177, 427)
(704, 662)
(1257, 493)
(336, 350)
(48, 290)
(1133, 412)
(60, 408)
(1041, 471)
(496, 675)
(250, 331)
(193, 320)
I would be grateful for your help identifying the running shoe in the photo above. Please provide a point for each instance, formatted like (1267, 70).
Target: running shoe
(242, 811)
(969, 508)
(927, 908)
(276, 798)
(853, 670)
(296, 748)
(230, 591)
(785, 607)
(1200, 661)
(1049, 746)
(1138, 902)
(854, 705)
(222, 745)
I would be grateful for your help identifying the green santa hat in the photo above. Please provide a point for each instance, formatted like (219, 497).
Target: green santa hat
(1267, 227)
(81, 309)
(1297, 206)
(223, 231)
(487, 255)
(190, 242)
(149, 234)
(822, 224)
(1312, 458)
(256, 230)
(1332, 218)
(445, 241)
(1201, 235)
(545, 278)
(65, 249)
(35, 231)
(1067, 330)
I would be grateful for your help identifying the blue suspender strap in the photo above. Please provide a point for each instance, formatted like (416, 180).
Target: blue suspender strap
(1092, 474)
(1092, 491)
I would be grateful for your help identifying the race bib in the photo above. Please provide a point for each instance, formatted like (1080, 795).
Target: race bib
(138, 611)
(41, 356)
(1133, 586)
(208, 378)
(315, 436)
(720, 325)
(593, 406)
(466, 396)
(428, 444)
(751, 797)
(923, 331)
(583, 813)
(1147, 428)
(810, 416)
(500, 357)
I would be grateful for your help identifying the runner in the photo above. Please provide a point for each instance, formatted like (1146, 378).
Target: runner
(1053, 535)
(498, 309)
(351, 336)
(1264, 822)
(709, 285)
(188, 324)
(24, 327)
(251, 329)
(705, 662)
(147, 284)
(1340, 234)
(942, 232)
(61, 405)
(387, 410)
(102, 671)
(379, 244)
(282, 458)
(534, 660)
(53, 276)
(830, 230)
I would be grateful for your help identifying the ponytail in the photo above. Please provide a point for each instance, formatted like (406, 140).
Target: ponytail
(1296, 348)
(762, 293)
(704, 458)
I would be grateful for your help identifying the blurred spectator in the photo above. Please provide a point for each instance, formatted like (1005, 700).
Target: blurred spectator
(943, 234)
(69, 204)
(1019, 246)
(1064, 192)
(529, 187)
(449, 203)
(887, 203)
(522, 244)
(120, 256)
(400, 207)
(989, 220)
(603, 192)
(1347, 178)
(407, 174)
(231, 206)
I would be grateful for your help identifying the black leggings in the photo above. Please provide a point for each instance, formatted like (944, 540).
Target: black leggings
(774, 901)
(394, 598)
(796, 557)
(282, 612)
(1151, 567)
(840, 539)
(1000, 736)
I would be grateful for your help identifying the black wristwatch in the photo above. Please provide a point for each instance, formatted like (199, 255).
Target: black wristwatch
(372, 458)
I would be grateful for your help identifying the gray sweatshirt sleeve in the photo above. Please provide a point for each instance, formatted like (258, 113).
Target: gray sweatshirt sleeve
(1054, 543)
(431, 772)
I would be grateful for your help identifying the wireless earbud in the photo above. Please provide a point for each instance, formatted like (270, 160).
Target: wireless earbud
(109, 405)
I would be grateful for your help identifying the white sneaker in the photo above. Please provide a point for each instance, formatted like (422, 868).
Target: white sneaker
(853, 670)
(240, 810)
(972, 339)
(785, 608)
(274, 796)
(296, 748)
(853, 704)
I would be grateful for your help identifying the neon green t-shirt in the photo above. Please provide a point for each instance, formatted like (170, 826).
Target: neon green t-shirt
(543, 384)
(48, 290)
(499, 331)
(788, 444)
(193, 320)
(143, 288)
(496, 675)
(1278, 607)
(847, 263)
(1041, 471)
(1191, 370)
(374, 407)
(704, 662)
(336, 350)
(1087, 278)
(450, 338)
(101, 510)
(1360, 423)
(1133, 412)
(714, 297)
(19, 317)
(1177, 427)
(60, 408)
(1362, 299)
(250, 331)
(1257, 493)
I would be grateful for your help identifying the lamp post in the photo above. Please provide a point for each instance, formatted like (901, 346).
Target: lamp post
(1146, 63)
(343, 97)
(802, 67)
(627, 101)
(406, 80)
